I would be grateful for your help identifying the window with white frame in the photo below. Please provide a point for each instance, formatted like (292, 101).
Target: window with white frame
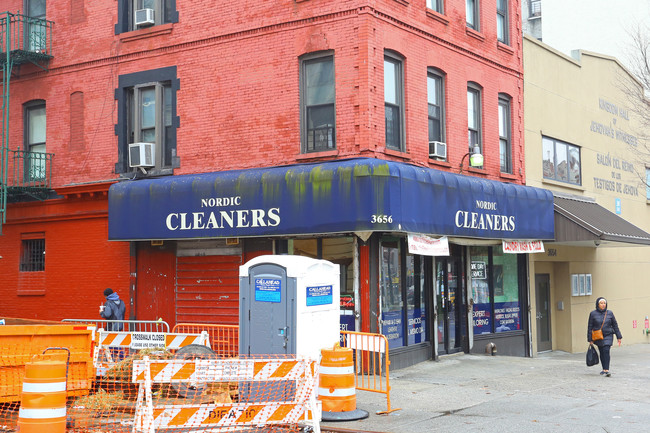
(472, 14)
(317, 100)
(435, 107)
(474, 132)
(34, 139)
(436, 5)
(139, 14)
(505, 133)
(394, 102)
(561, 161)
(503, 28)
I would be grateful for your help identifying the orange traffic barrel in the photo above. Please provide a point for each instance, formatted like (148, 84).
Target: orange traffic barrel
(42, 403)
(336, 387)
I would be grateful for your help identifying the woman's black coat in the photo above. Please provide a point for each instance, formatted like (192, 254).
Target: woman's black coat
(609, 328)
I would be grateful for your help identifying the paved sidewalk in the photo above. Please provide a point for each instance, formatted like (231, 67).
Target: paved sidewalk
(554, 392)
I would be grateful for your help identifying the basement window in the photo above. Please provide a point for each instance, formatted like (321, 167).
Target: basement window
(32, 255)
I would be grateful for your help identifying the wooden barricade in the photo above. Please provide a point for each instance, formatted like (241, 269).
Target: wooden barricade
(371, 363)
(224, 339)
(262, 405)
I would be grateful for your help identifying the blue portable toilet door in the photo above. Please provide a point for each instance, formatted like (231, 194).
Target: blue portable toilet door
(271, 302)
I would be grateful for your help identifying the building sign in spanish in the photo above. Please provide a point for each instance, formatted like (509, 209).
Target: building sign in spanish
(428, 246)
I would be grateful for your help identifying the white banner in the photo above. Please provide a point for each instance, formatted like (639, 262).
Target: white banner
(427, 246)
(516, 247)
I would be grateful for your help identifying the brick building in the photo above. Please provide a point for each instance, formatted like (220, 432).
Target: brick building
(188, 138)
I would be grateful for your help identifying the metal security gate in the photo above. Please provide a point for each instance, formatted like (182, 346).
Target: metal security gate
(207, 289)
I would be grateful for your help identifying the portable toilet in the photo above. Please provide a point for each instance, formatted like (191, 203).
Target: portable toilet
(288, 305)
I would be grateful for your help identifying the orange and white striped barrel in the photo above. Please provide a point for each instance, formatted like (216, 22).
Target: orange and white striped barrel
(336, 380)
(42, 403)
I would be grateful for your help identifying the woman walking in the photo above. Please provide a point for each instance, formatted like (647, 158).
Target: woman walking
(602, 319)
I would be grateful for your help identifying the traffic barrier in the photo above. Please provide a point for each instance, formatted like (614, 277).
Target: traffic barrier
(112, 346)
(224, 339)
(371, 363)
(336, 387)
(262, 407)
(42, 406)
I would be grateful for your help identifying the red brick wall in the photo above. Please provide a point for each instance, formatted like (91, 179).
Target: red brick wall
(79, 261)
(238, 67)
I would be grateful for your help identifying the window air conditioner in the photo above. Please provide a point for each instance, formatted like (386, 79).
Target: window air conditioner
(144, 17)
(437, 149)
(142, 155)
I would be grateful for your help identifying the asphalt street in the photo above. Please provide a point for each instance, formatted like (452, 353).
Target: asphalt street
(553, 392)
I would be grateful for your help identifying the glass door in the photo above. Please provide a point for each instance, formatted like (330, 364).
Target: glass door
(450, 295)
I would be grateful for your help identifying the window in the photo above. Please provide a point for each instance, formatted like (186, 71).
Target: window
(318, 113)
(435, 101)
(474, 118)
(164, 11)
(647, 183)
(471, 14)
(535, 8)
(36, 29)
(436, 5)
(505, 146)
(502, 21)
(561, 161)
(32, 255)
(495, 289)
(147, 113)
(393, 103)
(402, 292)
(34, 138)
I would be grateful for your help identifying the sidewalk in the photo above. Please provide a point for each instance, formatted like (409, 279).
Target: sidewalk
(554, 392)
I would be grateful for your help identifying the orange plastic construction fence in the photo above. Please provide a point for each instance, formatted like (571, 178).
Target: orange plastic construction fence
(224, 339)
(371, 363)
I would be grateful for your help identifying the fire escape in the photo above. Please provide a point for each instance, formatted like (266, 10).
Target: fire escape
(24, 174)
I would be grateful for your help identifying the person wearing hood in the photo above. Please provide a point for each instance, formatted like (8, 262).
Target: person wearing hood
(603, 319)
(113, 309)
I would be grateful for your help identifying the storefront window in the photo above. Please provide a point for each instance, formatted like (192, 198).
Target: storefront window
(496, 305)
(415, 312)
(481, 290)
(507, 310)
(391, 294)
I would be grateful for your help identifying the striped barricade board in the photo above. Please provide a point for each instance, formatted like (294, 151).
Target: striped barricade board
(299, 406)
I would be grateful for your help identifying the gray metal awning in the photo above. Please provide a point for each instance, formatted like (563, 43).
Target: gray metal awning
(583, 222)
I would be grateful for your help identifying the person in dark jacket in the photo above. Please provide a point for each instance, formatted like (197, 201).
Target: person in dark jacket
(601, 316)
(113, 309)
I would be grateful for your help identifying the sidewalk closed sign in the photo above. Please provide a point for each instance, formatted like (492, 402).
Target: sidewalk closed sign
(147, 340)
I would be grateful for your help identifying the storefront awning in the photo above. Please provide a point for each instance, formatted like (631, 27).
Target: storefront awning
(583, 222)
(350, 195)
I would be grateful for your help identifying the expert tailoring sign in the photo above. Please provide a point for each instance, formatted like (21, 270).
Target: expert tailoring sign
(147, 340)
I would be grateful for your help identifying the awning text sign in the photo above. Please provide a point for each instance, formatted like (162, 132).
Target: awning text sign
(516, 247)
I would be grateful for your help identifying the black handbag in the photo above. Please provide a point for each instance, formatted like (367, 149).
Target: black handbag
(592, 356)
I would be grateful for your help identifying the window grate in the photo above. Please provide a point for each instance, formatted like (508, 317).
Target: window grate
(32, 258)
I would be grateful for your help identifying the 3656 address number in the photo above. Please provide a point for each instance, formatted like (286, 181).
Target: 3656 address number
(381, 219)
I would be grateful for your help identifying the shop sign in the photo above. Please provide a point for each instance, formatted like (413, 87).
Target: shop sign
(428, 246)
(516, 247)
(268, 290)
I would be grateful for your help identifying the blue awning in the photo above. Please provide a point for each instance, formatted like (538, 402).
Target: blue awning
(350, 195)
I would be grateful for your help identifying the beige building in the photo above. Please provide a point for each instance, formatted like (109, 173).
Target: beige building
(583, 143)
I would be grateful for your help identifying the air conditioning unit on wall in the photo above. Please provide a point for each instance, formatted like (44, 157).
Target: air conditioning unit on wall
(142, 155)
(437, 149)
(144, 17)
